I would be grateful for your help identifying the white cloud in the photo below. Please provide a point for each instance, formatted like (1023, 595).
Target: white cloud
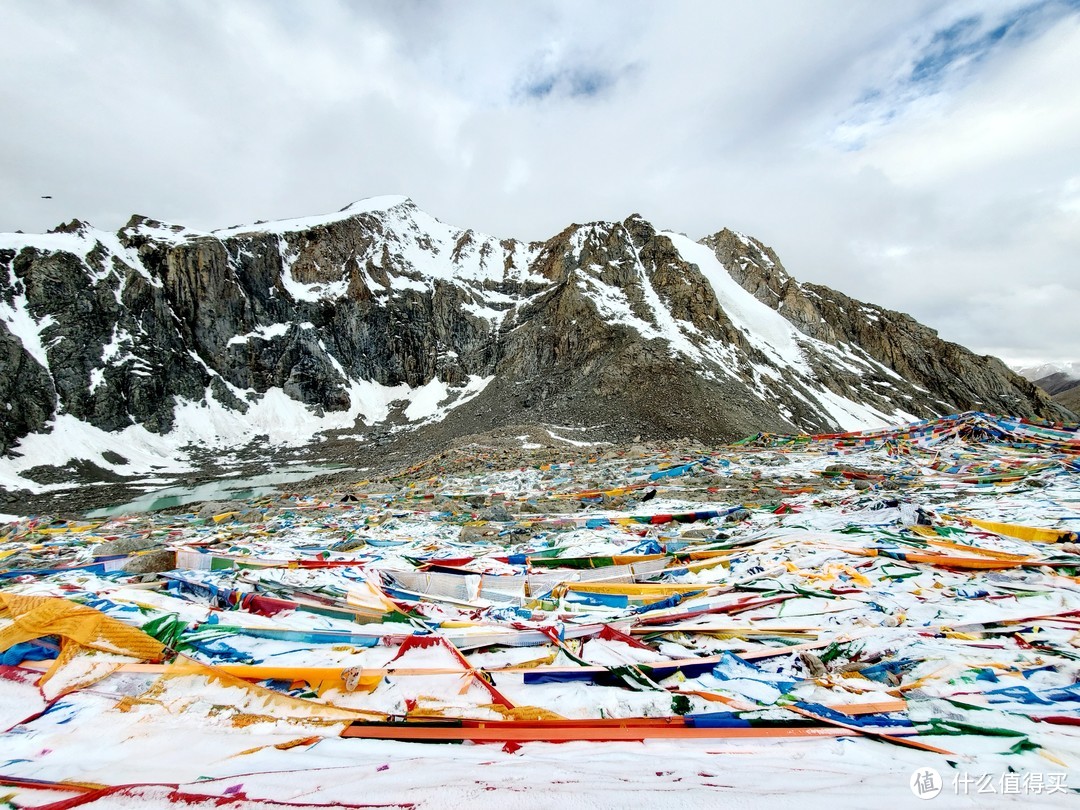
(921, 155)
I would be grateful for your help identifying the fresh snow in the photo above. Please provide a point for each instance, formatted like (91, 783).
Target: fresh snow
(366, 206)
(22, 325)
(78, 243)
(765, 328)
(419, 244)
(167, 232)
(929, 620)
(573, 442)
(612, 305)
(307, 292)
(424, 401)
(209, 424)
(856, 415)
(768, 331)
(670, 327)
(433, 400)
(269, 332)
(484, 312)
(422, 251)
(1039, 370)
(70, 439)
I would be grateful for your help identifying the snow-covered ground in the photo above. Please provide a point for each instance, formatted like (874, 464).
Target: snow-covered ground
(926, 587)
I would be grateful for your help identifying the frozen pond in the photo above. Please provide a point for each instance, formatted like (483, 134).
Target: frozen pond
(222, 489)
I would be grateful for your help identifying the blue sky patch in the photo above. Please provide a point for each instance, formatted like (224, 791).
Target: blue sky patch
(571, 82)
(953, 52)
(969, 40)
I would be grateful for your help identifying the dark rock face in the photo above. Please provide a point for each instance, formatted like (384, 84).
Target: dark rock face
(610, 324)
(1069, 398)
(25, 389)
(1057, 383)
(593, 349)
(1064, 389)
(949, 375)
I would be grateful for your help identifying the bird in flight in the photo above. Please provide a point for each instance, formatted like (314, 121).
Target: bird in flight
(46, 196)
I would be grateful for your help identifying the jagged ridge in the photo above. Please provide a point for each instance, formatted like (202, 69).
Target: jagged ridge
(381, 317)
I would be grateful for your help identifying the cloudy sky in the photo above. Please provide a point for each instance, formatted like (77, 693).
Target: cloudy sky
(921, 155)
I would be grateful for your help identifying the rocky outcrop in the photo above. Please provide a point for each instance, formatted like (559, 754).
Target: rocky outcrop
(936, 373)
(26, 389)
(1069, 399)
(1057, 383)
(1061, 380)
(1063, 388)
(381, 315)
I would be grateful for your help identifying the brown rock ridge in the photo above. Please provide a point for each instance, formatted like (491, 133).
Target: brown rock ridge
(610, 326)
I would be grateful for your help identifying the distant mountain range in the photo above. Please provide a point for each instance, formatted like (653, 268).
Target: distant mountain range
(122, 349)
(1060, 380)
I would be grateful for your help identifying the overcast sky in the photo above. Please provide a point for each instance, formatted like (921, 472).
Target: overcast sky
(924, 156)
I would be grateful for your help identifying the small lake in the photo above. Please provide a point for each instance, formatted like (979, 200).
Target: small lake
(222, 489)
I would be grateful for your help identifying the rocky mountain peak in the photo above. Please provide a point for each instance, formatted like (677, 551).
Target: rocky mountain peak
(76, 226)
(1061, 380)
(381, 319)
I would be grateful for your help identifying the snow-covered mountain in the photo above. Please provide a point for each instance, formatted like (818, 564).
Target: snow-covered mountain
(121, 349)
(1040, 371)
(1059, 379)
